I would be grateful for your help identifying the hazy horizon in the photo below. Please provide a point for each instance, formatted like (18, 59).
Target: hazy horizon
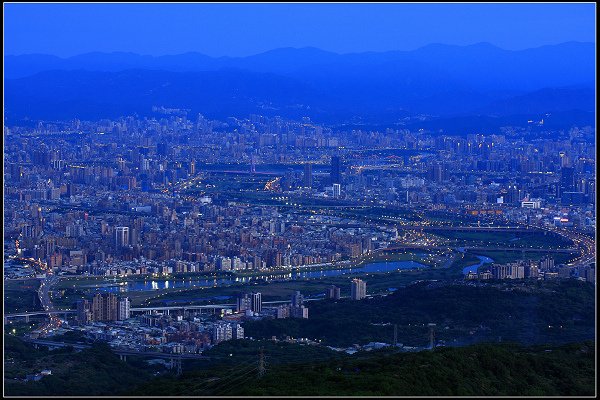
(239, 30)
(301, 48)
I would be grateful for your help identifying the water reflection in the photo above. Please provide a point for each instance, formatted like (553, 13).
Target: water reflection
(215, 282)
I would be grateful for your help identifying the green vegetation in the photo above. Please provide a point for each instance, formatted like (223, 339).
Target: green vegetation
(429, 259)
(235, 352)
(21, 295)
(464, 260)
(273, 291)
(72, 289)
(94, 371)
(540, 239)
(480, 370)
(503, 257)
(19, 326)
(527, 312)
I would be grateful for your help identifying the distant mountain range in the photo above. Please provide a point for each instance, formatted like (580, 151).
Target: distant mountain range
(441, 80)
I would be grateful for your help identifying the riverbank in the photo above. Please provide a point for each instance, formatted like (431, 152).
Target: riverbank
(88, 282)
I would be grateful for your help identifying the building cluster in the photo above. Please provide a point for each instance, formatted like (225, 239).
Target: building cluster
(333, 292)
(542, 269)
(92, 196)
(358, 289)
(108, 317)
(103, 307)
(296, 308)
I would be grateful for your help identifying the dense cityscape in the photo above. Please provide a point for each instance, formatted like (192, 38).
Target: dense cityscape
(202, 255)
(273, 196)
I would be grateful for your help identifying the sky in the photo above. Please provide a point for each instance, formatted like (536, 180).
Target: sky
(228, 29)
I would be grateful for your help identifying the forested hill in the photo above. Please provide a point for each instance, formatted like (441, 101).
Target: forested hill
(479, 370)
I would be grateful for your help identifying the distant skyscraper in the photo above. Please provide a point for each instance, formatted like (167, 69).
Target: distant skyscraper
(103, 307)
(567, 179)
(123, 312)
(121, 236)
(358, 289)
(437, 172)
(565, 161)
(144, 164)
(252, 301)
(237, 331)
(335, 170)
(299, 312)
(297, 299)
(256, 302)
(221, 332)
(333, 292)
(244, 303)
(308, 179)
(84, 314)
(337, 190)
(547, 263)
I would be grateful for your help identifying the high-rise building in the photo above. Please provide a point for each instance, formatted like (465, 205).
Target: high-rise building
(84, 314)
(283, 312)
(358, 289)
(122, 236)
(337, 190)
(110, 307)
(516, 271)
(144, 164)
(255, 302)
(333, 292)
(308, 178)
(500, 271)
(437, 172)
(588, 273)
(567, 179)
(335, 174)
(299, 312)
(124, 309)
(532, 270)
(237, 331)
(252, 302)
(221, 332)
(103, 307)
(565, 160)
(244, 303)
(546, 263)
(297, 299)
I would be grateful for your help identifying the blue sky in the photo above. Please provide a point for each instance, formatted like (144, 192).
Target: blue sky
(227, 29)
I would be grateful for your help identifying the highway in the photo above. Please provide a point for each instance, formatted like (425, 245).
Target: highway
(44, 295)
(480, 248)
(150, 309)
(586, 245)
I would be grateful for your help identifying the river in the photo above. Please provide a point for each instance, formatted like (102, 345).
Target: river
(473, 268)
(150, 284)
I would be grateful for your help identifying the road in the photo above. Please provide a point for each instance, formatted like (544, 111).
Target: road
(44, 295)
(585, 244)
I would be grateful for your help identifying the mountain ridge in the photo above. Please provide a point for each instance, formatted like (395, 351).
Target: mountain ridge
(442, 80)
